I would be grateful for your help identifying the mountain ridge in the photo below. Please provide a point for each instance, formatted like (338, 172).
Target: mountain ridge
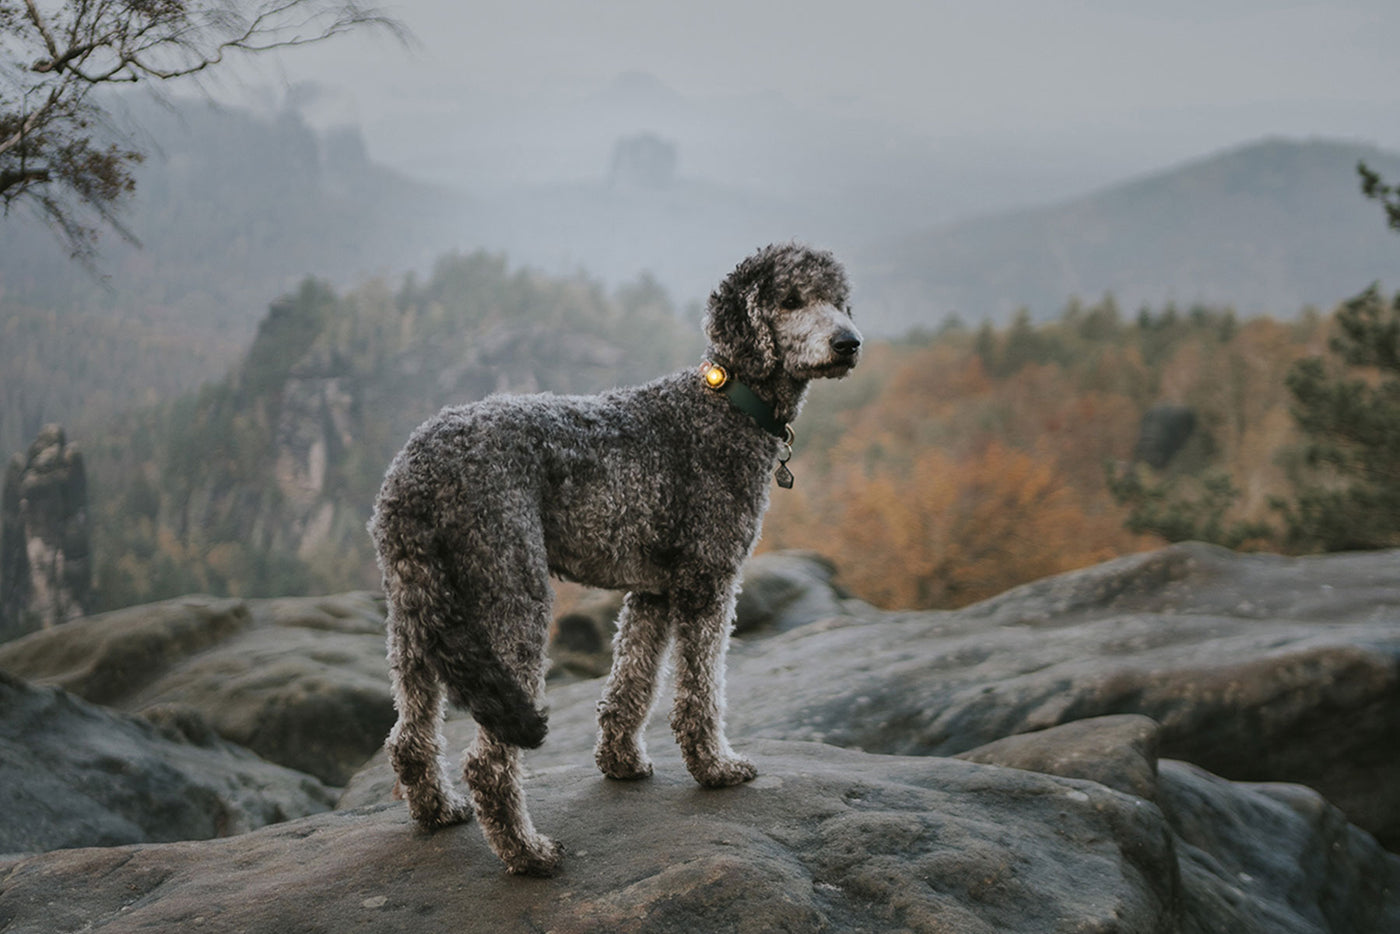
(1271, 226)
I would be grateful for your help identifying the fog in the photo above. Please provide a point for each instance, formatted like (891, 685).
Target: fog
(1129, 85)
(835, 123)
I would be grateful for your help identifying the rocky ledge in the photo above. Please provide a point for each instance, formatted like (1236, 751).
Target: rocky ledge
(991, 769)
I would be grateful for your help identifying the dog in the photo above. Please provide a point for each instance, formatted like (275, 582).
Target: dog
(658, 490)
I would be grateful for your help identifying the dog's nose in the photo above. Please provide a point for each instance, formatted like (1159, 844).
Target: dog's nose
(845, 343)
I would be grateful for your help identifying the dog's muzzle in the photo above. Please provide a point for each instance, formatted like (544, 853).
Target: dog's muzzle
(845, 344)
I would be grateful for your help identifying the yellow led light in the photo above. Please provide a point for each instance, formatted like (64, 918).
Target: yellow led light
(715, 376)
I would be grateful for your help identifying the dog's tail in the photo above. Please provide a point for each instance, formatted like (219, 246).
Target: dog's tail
(427, 621)
(455, 648)
(479, 682)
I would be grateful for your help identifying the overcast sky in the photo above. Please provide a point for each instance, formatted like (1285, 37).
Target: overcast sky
(934, 68)
(850, 124)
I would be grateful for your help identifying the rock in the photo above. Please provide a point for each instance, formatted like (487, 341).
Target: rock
(1262, 671)
(300, 681)
(75, 774)
(825, 839)
(1250, 858)
(45, 553)
(1259, 668)
(1230, 839)
(109, 658)
(786, 589)
(581, 643)
(1164, 431)
(1120, 752)
(314, 431)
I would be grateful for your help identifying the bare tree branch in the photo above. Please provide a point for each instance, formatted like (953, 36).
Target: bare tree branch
(48, 119)
(27, 125)
(39, 24)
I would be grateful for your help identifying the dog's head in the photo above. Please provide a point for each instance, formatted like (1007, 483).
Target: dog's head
(784, 309)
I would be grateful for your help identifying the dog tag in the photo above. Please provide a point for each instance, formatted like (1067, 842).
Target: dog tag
(782, 474)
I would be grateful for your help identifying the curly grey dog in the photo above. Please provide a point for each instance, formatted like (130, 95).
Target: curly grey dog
(658, 490)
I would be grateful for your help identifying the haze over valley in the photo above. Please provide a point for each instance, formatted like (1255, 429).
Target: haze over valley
(966, 165)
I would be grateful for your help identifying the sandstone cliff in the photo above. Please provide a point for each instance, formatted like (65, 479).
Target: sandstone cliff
(45, 554)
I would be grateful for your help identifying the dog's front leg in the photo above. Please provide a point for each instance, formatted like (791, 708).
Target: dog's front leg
(643, 632)
(702, 639)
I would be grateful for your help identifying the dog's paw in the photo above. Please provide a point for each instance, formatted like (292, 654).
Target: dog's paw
(723, 772)
(623, 762)
(540, 858)
(440, 811)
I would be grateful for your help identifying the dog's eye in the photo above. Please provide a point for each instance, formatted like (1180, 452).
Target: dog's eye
(792, 301)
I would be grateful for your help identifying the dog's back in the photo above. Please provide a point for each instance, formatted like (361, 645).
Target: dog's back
(610, 490)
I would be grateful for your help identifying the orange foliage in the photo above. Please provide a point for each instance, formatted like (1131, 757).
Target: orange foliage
(946, 532)
(934, 478)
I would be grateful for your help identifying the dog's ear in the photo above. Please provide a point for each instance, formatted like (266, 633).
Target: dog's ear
(725, 317)
(737, 319)
(762, 346)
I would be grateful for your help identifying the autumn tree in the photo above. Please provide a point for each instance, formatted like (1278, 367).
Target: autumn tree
(944, 531)
(937, 482)
(59, 150)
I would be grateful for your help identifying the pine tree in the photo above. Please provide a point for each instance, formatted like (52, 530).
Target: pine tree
(1347, 477)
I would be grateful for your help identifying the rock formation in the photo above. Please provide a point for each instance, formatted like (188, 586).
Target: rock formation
(1258, 667)
(45, 560)
(300, 681)
(1183, 741)
(826, 839)
(261, 482)
(76, 774)
(1164, 431)
(644, 161)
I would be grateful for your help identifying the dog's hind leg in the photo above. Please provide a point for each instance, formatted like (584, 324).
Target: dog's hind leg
(416, 744)
(514, 594)
(703, 621)
(493, 770)
(643, 633)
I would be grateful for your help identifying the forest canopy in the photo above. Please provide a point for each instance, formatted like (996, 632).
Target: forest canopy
(945, 469)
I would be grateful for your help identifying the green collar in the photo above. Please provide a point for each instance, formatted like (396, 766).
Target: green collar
(745, 400)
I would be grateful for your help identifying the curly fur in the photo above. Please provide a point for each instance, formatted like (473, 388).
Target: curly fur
(658, 490)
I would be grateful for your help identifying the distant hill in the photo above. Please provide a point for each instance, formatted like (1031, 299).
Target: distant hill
(231, 209)
(1268, 227)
